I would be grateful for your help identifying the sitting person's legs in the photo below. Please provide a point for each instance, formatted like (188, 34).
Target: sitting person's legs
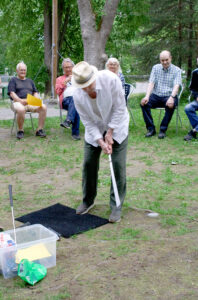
(190, 110)
(20, 111)
(72, 116)
(168, 114)
(154, 101)
(75, 127)
(20, 117)
(42, 111)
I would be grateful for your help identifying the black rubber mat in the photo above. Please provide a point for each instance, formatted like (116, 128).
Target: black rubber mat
(63, 220)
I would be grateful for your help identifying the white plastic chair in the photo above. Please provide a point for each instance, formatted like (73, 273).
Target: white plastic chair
(14, 123)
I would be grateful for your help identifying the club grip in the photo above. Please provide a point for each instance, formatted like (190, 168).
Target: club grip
(10, 194)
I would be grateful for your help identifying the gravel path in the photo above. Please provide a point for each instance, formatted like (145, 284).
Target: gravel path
(7, 113)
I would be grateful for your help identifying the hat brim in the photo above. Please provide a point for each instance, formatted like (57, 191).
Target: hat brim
(87, 83)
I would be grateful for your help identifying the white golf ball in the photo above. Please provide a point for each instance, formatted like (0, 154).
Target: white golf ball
(153, 214)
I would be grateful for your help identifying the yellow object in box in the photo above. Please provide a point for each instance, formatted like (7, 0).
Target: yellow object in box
(35, 252)
(31, 100)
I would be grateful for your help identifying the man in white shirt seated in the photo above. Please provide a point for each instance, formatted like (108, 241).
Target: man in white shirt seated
(65, 91)
(100, 102)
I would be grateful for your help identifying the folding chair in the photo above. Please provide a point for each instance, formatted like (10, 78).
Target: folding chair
(178, 118)
(129, 88)
(15, 121)
(60, 110)
(189, 97)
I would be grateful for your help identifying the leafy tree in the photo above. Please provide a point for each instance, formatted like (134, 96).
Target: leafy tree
(27, 36)
(173, 26)
(130, 17)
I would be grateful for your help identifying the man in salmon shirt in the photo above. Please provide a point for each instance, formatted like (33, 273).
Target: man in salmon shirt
(64, 90)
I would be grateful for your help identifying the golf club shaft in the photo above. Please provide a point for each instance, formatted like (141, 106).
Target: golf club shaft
(13, 224)
(11, 204)
(115, 189)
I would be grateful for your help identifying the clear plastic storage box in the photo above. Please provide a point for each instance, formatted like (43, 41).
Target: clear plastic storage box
(34, 242)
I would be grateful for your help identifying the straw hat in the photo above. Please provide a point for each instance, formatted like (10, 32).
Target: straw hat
(83, 74)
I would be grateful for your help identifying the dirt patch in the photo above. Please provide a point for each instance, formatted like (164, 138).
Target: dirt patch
(138, 258)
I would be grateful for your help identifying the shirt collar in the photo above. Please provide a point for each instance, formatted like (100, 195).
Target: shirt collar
(168, 69)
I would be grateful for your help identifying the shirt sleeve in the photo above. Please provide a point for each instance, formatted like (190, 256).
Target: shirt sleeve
(122, 79)
(178, 79)
(152, 75)
(11, 86)
(91, 128)
(34, 89)
(194, 85)
(60, 86)
(118, 104)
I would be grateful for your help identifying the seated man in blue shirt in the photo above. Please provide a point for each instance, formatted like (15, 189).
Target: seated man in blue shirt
(191, 108)
(18, 88)
(162, 90)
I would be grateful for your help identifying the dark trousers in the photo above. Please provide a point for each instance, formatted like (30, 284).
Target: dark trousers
(91, 168)
(72, 115)
(154, 102)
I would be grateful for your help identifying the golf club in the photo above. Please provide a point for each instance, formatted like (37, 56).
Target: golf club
(115, 189)
(11, 204)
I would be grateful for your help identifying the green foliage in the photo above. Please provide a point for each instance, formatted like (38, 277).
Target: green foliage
(172, 26)
(25, 41)
(131, 15)
(98, 9)
(71, 45)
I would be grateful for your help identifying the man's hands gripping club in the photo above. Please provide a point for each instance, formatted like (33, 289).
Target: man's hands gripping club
(107, 142)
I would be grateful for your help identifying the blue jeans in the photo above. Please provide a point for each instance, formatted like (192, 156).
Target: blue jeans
(72, 115)
(154, 102)
(190, 110)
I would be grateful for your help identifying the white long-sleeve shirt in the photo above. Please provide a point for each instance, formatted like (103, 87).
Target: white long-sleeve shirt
(108, 110)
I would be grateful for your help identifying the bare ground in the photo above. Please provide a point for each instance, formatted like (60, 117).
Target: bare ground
(104, 264)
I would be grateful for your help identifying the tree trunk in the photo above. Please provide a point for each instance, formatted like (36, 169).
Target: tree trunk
(62, 25)
(180, 33)
(48, 44)
(94, 41)
(190, 41)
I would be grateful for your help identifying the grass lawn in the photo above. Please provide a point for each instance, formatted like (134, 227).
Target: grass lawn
(140, 257)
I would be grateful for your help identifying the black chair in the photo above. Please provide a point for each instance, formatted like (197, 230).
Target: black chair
(129, 88)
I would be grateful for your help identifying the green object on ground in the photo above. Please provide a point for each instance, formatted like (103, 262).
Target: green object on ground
(31, 272)
(5, 92)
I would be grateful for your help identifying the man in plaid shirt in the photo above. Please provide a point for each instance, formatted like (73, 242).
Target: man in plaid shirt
(162, 90)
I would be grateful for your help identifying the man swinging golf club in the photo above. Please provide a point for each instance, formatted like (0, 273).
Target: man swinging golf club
(99, 100)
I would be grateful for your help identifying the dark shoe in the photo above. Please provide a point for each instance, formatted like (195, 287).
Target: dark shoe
(76, 137)
(115, 216)
(20, 134)
(41, 133)
(83, 208)
(161, 135)
(191, 135)
(150, 133)
(66, 124)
